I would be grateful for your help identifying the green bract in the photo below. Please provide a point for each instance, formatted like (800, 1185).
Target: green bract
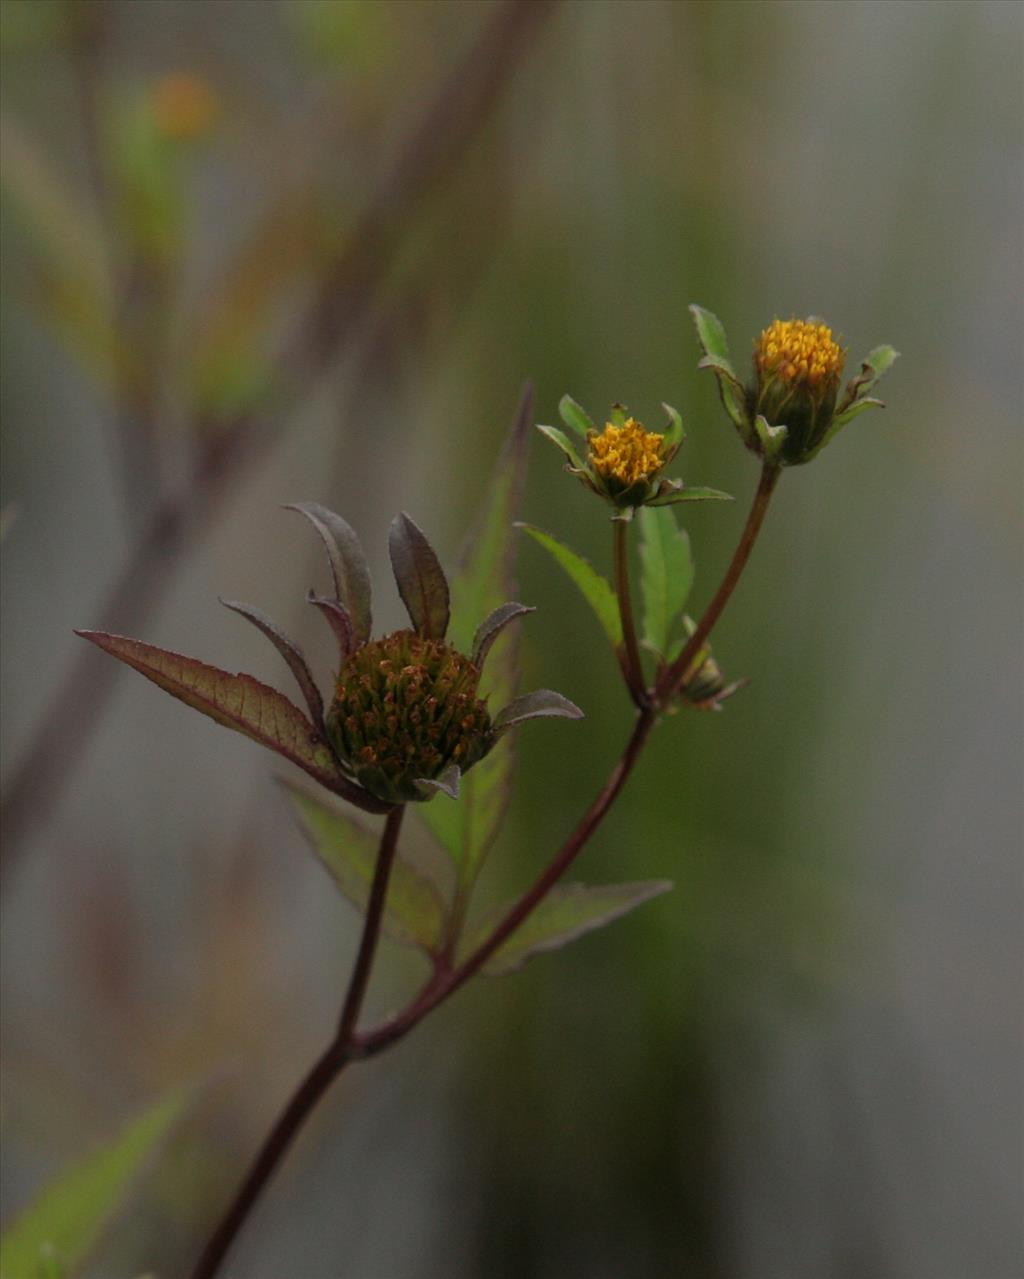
(792, 408)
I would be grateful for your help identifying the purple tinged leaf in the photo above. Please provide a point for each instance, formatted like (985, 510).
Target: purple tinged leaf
(492, 626)
(414, 914)
(420, 578)
(242, 703)
(543, 703)
(339, 621)
(567, 912)
(348, 563)
(291, 653)
(447, 783)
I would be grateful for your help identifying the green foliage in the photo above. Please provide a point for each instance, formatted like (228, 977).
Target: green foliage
(55, 1234)
(666, 574)
(482, 583)
(595, 589)
(414, 914)
(575, 416)
(567, 912)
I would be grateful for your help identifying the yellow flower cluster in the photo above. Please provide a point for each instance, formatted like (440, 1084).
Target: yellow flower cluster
(798, 351)
(626, 453)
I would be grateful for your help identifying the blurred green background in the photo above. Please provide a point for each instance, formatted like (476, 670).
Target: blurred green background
(260, 252)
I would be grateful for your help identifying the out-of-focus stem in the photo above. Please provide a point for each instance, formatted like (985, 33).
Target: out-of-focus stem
(327, 1068)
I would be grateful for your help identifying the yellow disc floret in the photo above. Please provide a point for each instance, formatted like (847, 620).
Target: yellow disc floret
(799, 351)
(626, 454)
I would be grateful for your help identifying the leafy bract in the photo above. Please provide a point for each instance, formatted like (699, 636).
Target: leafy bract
(420, 578)
(567, 912)
(242, 703)
(595, 589)
(575, 416)
(715, 345)
(62, 1226)
(545, 702)
(666, 573)
(290, 651)
(348, 563)
(414, 913)
(483, 582)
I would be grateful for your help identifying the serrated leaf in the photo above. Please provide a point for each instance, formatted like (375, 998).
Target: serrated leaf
(420, 578)
(595, 589)
(65, 1222)
(666, 573)
(574, 416)
(291, 653)
(483, 582)
(348, 563)
(492, 626)
(563, 442)
(567, 912)
(414, 912)
(542, 703)
(239, 702)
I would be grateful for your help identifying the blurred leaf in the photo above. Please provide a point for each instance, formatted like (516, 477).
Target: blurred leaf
(65, 1222)
(239, 702)
(596, 590)
(543, 703)
(674, 434)
(290, 651)
(347, 561)
(574, 416)
(569, 911)
(483, 582)
(414, 913)
(666, 573)
(420, 578)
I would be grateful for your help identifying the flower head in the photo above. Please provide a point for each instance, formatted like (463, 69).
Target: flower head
(793, 407)
(624, 461)
(406, 719)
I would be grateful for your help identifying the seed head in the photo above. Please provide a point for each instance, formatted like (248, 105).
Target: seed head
(405, 708)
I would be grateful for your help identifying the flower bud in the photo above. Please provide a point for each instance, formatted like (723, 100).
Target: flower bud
(797, 367)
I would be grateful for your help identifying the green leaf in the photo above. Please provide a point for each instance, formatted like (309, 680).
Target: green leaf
(290, 651)
(347, 561)
(567, 912)
(63, 1225)
(666, 573)
(576, 418)
(239, 702)
(855, 410)
(674, 434)
(420, 578)
(596, 590)
(484, 581)
(715, 345)
(619, 415)
(545, 702)
(414, 913)
(564, 443)
(691, 493)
